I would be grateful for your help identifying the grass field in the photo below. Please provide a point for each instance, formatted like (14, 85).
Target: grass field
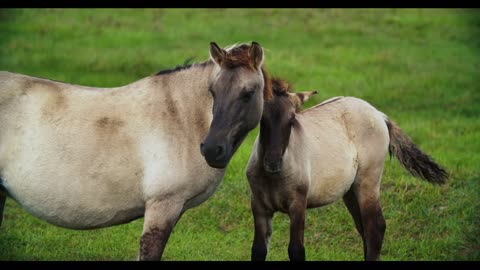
(420, 67)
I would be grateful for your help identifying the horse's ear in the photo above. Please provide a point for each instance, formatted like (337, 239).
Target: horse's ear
(217, 54)
(304, 96)
(256, 55)
(295, 101)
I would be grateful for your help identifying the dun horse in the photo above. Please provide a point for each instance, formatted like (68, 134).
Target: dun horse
(83, 157)
(312, 158)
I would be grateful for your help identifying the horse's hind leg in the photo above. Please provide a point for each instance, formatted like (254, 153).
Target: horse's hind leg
(160, 218)
(351, 201)
(367, 191)
(374, 229)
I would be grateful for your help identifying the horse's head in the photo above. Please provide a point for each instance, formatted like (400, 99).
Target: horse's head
(277, 122)
(238, 90)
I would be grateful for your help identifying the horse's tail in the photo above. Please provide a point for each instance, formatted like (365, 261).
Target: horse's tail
(412, 158)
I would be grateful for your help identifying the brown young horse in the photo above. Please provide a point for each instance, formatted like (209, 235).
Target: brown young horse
(312, 158)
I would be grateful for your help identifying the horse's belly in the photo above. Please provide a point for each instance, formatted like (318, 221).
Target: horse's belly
(332, 179)
(329, 192)
(73, 208)
(70, 177)
(78, 193)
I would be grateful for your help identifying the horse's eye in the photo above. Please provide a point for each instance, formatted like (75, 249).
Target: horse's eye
(246, 96)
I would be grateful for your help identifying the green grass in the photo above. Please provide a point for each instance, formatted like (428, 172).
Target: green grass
(420, 67)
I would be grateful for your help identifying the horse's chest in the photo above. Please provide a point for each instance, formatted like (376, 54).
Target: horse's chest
(205, 188)
(277, 196)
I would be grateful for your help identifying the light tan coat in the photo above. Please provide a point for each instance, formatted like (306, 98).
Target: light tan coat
(83, 157)
(335, 143)
(335, 150)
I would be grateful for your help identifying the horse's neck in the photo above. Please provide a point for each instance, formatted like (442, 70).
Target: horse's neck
(261, 149)
(294, 152)
(187, 88)
(296, 149)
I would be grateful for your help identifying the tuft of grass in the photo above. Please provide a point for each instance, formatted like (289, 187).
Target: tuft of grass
(419, 66)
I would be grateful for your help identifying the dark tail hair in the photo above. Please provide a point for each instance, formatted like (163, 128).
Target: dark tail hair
(412, 158)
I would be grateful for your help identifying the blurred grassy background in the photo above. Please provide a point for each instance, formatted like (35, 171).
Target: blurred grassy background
(420, 67)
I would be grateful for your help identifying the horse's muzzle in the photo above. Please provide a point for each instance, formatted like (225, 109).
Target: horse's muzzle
(215, 155)
(273, 166)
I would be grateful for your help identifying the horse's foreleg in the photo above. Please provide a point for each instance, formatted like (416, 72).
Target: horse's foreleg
(296, 249)
(3, 198)
(160, 218)
(263, 231)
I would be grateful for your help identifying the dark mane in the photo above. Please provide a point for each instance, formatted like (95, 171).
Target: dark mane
(239, 56)
(267, 88)
(281, 87)
(186, 65)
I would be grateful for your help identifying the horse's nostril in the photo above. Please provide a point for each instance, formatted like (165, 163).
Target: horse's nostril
(213, 152)
(219, 152)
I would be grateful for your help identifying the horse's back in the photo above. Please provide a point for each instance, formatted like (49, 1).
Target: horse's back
(10, 87)
(17, 90)
(361, 122)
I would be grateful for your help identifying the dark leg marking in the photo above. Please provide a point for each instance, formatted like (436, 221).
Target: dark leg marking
(3, 198)
(374, 229)
(152, 244)
(160, 219)
(262, 234)
(296, 249)
(351, 201)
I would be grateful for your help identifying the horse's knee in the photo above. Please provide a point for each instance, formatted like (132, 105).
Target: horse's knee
(152, 244)
(296, 252)
(160, 218)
